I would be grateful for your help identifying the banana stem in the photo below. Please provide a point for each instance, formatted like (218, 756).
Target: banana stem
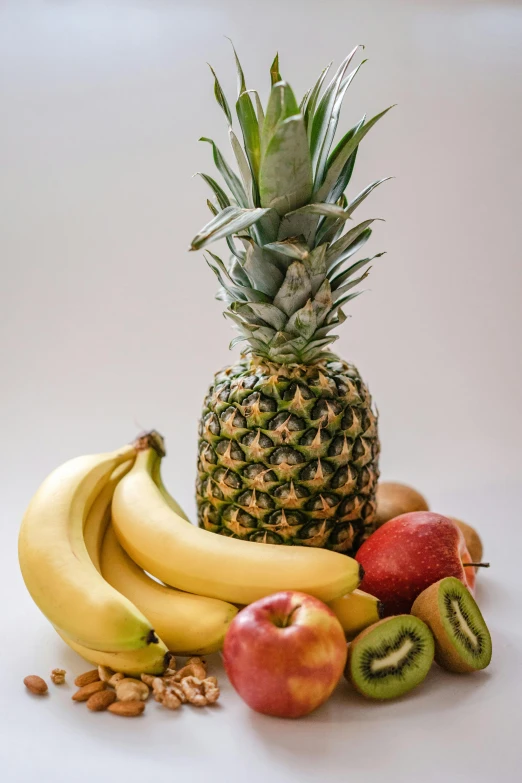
(150, 440)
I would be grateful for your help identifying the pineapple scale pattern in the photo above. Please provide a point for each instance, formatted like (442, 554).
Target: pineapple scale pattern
(289, 455)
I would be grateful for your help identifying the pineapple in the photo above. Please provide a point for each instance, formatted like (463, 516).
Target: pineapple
(288, 443)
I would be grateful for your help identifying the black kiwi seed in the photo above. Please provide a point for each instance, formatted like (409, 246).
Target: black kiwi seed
(462, 639)
(390, 657)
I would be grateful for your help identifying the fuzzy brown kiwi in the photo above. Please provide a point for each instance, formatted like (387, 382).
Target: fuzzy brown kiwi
(462, 638)
(394, 499)
(390, 658)
(472, 538)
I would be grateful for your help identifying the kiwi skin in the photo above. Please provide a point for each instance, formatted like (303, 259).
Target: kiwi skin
(394, 499)
(353, 645)
(426, 608)
(472, 539)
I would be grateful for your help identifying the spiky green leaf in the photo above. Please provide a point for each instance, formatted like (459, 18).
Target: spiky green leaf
(333, 277)
(259, 110)
(335, 250)
(293, 248)
(336, 263)
(323, 301)
(328, 210)
(275, 76)
(263, 275)
(312, 101)
(285, 177)
(268, 313)
(243, 293)
(338, 287)
(303, 322)
(281, 105)
(325, 118)
(296, 289)
(241, 84)
(243, 166)
(230, 177)
(357, 201)
(250, 128)
(316, 266)
(220, 96)
(335, 168)
(229, 221)
(222, 198)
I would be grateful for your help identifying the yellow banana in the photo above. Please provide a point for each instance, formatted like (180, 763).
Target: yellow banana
(356, 611)
(169, 500)
(198, 561)
(99, 515)
(56, 566)
(188, 624)
(145, 660)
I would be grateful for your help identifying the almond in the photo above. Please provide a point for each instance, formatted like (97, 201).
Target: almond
(101, 700)
(86, 678)
(84, 693)
(129, 709)
(35, 684)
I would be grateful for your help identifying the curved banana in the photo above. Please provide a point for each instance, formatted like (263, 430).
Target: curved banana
(56, 567)
(145, 660)
(99, 516)
(169, 500)
(188, 624)
(356, 611)
(198, 561)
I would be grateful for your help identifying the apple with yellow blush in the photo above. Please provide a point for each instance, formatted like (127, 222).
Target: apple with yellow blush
(285, 654)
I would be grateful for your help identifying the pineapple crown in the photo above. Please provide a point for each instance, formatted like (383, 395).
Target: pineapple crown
(290, 270)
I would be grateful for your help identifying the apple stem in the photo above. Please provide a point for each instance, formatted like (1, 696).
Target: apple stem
(476, 565)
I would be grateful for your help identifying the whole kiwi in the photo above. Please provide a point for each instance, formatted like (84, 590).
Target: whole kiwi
(472, 538)
(462, 638)
(394, 499)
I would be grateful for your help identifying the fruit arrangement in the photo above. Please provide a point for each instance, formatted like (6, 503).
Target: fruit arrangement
(302, 567)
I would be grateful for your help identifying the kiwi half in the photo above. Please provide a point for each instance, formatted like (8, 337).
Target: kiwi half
(462, 639)
(391, 657)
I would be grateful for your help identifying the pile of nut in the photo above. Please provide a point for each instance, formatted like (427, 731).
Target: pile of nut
(103, 689)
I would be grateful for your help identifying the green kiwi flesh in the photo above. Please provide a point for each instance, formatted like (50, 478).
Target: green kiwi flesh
(391, 657)
(464, 624)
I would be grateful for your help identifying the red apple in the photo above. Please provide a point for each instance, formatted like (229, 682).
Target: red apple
(285, 654)
(408, 554)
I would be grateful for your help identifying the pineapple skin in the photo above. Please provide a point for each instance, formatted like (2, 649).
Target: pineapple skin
(289, 454)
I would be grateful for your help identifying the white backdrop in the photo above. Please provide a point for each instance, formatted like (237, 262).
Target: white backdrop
(109, 325)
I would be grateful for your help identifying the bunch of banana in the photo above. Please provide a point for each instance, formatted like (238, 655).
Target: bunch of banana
(98, 523)
(196, 560)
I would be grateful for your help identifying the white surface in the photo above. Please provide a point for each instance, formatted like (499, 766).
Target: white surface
(102, 105)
